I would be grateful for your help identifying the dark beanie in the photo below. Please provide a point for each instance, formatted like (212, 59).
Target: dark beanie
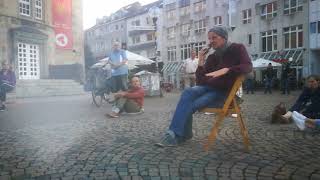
(220, 31)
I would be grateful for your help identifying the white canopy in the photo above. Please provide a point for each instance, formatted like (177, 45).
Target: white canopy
(133, 60)
(142, 72)
(136, 59)
(104, 61)
(263, 63)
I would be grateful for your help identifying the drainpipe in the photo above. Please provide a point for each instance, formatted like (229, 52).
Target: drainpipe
(308, 33)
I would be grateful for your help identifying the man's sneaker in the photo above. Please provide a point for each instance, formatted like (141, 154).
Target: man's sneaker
(168, 140)
(2, 108)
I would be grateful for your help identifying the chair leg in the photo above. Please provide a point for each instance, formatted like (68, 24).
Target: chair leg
(214, 132)
(244, 131)
(243, 128)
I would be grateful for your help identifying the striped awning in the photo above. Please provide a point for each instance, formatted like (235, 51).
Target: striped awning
(295, 54)
(172, 67)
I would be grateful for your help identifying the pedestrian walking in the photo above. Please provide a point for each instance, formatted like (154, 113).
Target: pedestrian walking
(285, 78)
(268, 79)
(249, 83)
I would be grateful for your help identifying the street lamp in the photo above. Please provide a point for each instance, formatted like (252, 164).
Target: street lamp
(154, 13)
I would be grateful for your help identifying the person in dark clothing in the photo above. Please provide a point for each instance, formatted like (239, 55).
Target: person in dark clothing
(308, 102)
(215, 77)
(250, 83)
(7, 83)
(285, 77)
(268, 79)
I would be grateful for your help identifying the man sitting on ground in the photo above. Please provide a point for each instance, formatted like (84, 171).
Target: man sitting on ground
(130, 101)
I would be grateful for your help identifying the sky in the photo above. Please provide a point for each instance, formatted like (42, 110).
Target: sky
(93, 9)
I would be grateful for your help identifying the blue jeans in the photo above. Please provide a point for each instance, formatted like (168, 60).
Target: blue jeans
(249, 83)
(119, 82)
(4, 88)
(285, 86)
(268, 86)
(191, 100)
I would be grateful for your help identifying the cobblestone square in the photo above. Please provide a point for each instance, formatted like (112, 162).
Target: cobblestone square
(69, 138)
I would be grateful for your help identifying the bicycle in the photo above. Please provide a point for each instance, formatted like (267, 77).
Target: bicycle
(100, 78)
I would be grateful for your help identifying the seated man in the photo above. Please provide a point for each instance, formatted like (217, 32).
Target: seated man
(7, 83)
(308, 102)
(215, 77)
(130, 101)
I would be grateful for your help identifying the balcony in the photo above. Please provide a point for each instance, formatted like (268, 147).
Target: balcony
(142, 45)
(135, 30)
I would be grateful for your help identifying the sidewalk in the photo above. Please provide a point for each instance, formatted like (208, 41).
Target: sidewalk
(69, 138)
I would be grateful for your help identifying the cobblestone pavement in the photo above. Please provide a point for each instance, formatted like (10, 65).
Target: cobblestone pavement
(69, 138)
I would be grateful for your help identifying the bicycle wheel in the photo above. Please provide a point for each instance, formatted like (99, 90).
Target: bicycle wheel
(97, 98)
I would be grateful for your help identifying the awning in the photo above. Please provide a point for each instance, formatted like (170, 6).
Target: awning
(172, 67)
(285, 56)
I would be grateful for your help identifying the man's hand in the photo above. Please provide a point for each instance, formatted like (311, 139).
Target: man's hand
(218, 73)
(202, 56)
(120, 94)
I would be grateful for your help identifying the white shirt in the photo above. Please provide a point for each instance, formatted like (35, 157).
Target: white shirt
(191, 65)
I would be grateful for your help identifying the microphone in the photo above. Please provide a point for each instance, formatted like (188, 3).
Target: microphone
(206, 49)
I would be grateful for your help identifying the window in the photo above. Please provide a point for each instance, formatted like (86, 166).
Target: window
(171, 32)
(24, 7)
(135, 39)
(218, 20)
(293, 37)
(184, 11)
(318, 26)
(185, 51)
(198, 46)
(148, 20)
(135, 23)
(171, 6)
(292, 6)
(172, 55)
(150, 37)
(269, 10)
(185, 29)
(249, 39)
(269, 40)
(183, 3)
(171, 14)
(313, 27)
(200, 26)
(38, 9)
(246, 16)
(200, 6)
(117, 27)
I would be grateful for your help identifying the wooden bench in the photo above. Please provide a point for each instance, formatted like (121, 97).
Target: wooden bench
(230, 106)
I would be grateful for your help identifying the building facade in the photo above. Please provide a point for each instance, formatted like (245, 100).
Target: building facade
(142, 31)
(276, 30)
(100, 37)
(33, 40)
(185, 27)
(314, 20)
